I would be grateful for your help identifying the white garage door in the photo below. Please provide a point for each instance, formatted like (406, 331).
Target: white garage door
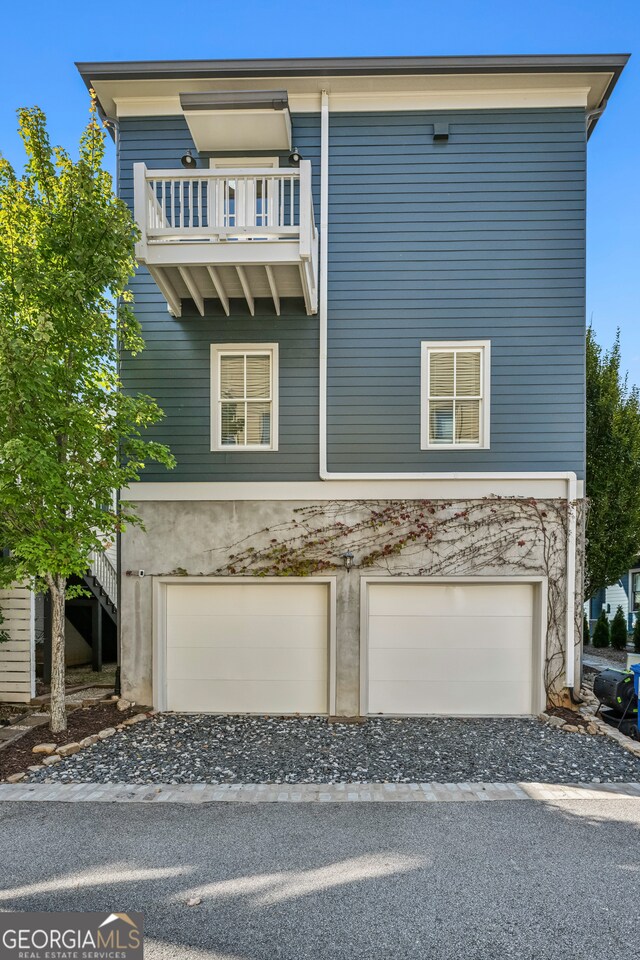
(450, 649)
(247, 648)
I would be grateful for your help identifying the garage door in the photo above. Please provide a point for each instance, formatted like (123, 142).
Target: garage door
(247, 648)
(450, 649)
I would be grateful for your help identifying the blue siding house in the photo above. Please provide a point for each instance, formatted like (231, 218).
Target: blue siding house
(361, 287)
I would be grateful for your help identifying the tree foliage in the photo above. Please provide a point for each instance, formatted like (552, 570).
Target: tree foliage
(69, 437)
(601, 631)
(586, 635)
(619, 632)
(613, 468)
(636, 635)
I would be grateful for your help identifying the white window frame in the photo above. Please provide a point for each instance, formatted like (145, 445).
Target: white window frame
(217, 350)
(484, 346)
(634, 570)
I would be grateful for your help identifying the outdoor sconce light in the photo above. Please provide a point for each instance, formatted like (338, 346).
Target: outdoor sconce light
(440, 132)
(295, 157)
(348, 560)
(188, 161)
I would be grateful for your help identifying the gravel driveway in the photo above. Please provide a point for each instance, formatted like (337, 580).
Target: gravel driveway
(172, 748)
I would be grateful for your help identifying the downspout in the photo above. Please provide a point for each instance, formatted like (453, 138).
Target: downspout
(324, 285)
(571, 581)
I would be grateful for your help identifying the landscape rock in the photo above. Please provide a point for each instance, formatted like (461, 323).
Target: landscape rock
(89, 741)
(49, 761)
(138, 718)
(557, 722)
(106, 733)
(47, 748)
(571, 728)
(123, 704)
(16, 777)
(68, 749)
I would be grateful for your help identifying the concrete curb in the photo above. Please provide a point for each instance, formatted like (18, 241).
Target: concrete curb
(199, 793)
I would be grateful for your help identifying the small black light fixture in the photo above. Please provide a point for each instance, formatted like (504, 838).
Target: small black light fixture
(188, 161)
(295, 157)
(440, 132)
(347, 556)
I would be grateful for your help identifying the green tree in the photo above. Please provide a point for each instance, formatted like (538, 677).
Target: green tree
(586, 636)
(69, 436)
(613, 468)
(619, 633)
(636, 635)
(601, 632)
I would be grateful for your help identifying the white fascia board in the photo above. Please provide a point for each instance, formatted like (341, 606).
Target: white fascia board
(410, 487)
(370, 102)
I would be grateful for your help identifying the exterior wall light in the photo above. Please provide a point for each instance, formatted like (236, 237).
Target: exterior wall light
(295, 157)
(188, 161)
(348, 560)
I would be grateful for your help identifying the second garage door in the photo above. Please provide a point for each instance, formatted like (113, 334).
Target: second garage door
(450, 649)
(247, 648)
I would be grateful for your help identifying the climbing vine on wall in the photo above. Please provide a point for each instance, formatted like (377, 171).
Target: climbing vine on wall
(420, 537)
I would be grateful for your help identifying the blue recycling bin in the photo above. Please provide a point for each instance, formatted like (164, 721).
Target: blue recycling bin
(635, 669)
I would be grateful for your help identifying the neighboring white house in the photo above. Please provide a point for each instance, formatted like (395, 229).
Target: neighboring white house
(17, 655)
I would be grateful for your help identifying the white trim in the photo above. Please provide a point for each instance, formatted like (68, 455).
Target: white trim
(630, 574)
(230, 163)
(246, 349)
(32, 646)
(539, 638)
(484, 346)
(404, 486)
(159, 627)
(476, 98)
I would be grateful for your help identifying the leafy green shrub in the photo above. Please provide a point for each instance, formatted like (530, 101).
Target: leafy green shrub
(636, 634)
(586, 636)
(619, 633)
(601, 633)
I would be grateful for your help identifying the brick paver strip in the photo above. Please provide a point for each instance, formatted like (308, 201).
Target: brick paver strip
(314, 793)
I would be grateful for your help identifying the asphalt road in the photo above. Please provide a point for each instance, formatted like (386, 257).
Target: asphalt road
(358, 881)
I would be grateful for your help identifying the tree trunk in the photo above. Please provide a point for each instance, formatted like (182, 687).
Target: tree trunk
(58, 723)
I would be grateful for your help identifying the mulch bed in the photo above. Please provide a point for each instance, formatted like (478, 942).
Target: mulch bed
(571, 716)
(80, 723)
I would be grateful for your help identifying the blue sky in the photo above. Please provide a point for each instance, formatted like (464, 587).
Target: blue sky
(46, 38)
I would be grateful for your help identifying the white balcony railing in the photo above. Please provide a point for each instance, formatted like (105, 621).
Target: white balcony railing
(196, 213)
(105, 573)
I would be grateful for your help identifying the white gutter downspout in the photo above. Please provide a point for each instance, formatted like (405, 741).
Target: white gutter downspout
(325, 474)
(572, 522)
(324, 285)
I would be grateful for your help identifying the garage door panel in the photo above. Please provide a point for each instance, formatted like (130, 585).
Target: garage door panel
(258, 631)
(258, 647)
(246, 663)
(451, 699)
(434, 632)
(233, 599)
(451, 664)
(448, 600)
(450, 649)
(253, 696)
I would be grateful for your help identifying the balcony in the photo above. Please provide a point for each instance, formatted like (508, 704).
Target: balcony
(221, 234)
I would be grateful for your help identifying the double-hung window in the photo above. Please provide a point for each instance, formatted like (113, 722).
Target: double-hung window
(455, 380)
(244, 395)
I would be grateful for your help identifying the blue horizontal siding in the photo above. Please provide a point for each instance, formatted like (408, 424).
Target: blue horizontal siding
(479, 238)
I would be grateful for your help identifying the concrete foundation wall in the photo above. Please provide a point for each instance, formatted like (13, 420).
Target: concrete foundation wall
(489, 537)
